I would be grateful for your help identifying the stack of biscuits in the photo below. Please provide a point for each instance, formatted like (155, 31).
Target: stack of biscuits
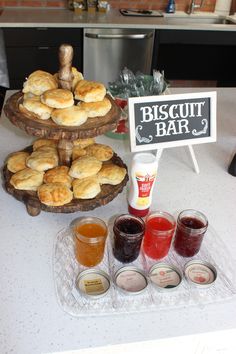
(57, 185)
(44, 99)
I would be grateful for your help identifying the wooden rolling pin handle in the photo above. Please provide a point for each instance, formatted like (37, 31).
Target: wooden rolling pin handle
(65, 76)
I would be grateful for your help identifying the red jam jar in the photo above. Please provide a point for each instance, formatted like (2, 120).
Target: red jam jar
(191, 227)
(160, 227)
(128, 235)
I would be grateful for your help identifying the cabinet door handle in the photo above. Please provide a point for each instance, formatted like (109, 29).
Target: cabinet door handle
(43, 48)
(119, 36)
(41, 28)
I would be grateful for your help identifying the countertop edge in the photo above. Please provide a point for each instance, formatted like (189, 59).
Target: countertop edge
(53, 18)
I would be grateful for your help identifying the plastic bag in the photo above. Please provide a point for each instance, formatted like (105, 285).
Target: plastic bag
(129, 84)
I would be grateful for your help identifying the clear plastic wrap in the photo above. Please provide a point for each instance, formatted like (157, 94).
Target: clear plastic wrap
(129, 84)
(66, 269)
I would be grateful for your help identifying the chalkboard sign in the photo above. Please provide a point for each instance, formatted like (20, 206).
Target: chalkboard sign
(172, 120)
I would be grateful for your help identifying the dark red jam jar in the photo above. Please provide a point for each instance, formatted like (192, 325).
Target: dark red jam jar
(128, 234)
(191, 227)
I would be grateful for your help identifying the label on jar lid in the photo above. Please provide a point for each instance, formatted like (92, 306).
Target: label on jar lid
(201, 273)
(130, 280)
(165, 276)
(93, 286)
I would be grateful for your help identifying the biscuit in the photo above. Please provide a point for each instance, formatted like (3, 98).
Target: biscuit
(43, 159)
(77, 152)
(72, 116)
(30, 95)
(17, 161)
(77, 76)
(85, 166)
(86, 188)
(100, 151)
(96, 109)
(89, 91)
(58, 98)
(82, 143)
(111, 174)
(44, 142)
(54, 194)
(38, 82)
(35, 106)
(27, 179)
(58, 175)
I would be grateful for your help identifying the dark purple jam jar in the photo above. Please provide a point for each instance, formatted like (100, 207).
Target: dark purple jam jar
(128, 234)
(191, 227)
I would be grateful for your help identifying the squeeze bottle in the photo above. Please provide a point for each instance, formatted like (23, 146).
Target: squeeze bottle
(143, 175)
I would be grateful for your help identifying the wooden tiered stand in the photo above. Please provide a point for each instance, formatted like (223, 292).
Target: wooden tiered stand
(65, 135)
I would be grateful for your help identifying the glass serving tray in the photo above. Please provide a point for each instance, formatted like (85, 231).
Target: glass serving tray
(66, 270)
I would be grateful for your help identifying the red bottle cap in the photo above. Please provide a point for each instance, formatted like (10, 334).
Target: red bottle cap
(138, 212)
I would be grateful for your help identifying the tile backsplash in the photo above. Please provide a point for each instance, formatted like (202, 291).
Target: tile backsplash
(181, 5)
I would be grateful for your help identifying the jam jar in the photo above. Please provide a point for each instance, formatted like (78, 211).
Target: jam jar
(90, 235)
(191, 227)
(128, 234)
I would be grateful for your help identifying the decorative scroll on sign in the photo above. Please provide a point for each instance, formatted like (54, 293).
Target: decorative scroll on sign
(172, 120)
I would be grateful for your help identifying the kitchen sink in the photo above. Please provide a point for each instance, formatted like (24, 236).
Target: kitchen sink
(197, 18)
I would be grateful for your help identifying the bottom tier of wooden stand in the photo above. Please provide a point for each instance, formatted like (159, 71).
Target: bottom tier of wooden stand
(34, 206)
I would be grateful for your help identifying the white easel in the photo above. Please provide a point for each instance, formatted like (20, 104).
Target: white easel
(192, 154)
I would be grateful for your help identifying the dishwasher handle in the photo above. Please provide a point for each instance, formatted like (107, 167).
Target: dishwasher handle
(119, 36)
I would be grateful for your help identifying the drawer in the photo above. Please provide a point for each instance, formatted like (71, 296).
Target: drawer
(42, 36)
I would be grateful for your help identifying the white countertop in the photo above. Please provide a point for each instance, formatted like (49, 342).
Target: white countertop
(31, 320)
(33, 17)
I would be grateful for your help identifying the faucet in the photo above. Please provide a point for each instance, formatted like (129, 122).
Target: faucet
(194, 6)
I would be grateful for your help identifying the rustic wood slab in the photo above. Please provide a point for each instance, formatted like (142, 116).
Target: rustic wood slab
(48, 129)
(34, 206)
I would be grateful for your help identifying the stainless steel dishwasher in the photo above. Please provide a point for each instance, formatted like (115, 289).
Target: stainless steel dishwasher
(107, 51)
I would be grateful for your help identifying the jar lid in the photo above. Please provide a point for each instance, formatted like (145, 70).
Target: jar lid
(93, 283)
(165, 276)
(131, 280)
(200, 273)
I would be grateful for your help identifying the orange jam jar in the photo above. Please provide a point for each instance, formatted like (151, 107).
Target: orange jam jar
(90, 235)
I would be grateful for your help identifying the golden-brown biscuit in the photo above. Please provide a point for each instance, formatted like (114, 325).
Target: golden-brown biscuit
(77, 76)
(82, 143)
(111, 174)
(44, 142)
(96, 109)
(38, 82)
(58, 98)
(58, 175)
(43, 159)
(54, 194)
(100, 151)
(85, 166)
(89, 91)
(72, 116)
(77, 152)
(17, 161)
(30, 95)
(27, 179)
(34, 104)
(86, 188)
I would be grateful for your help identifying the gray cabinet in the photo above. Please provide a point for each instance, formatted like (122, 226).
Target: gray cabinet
(30, 49)
(196, 55)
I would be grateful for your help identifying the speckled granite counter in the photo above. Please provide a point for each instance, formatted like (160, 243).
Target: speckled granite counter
(66, 18)
(31, 319)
